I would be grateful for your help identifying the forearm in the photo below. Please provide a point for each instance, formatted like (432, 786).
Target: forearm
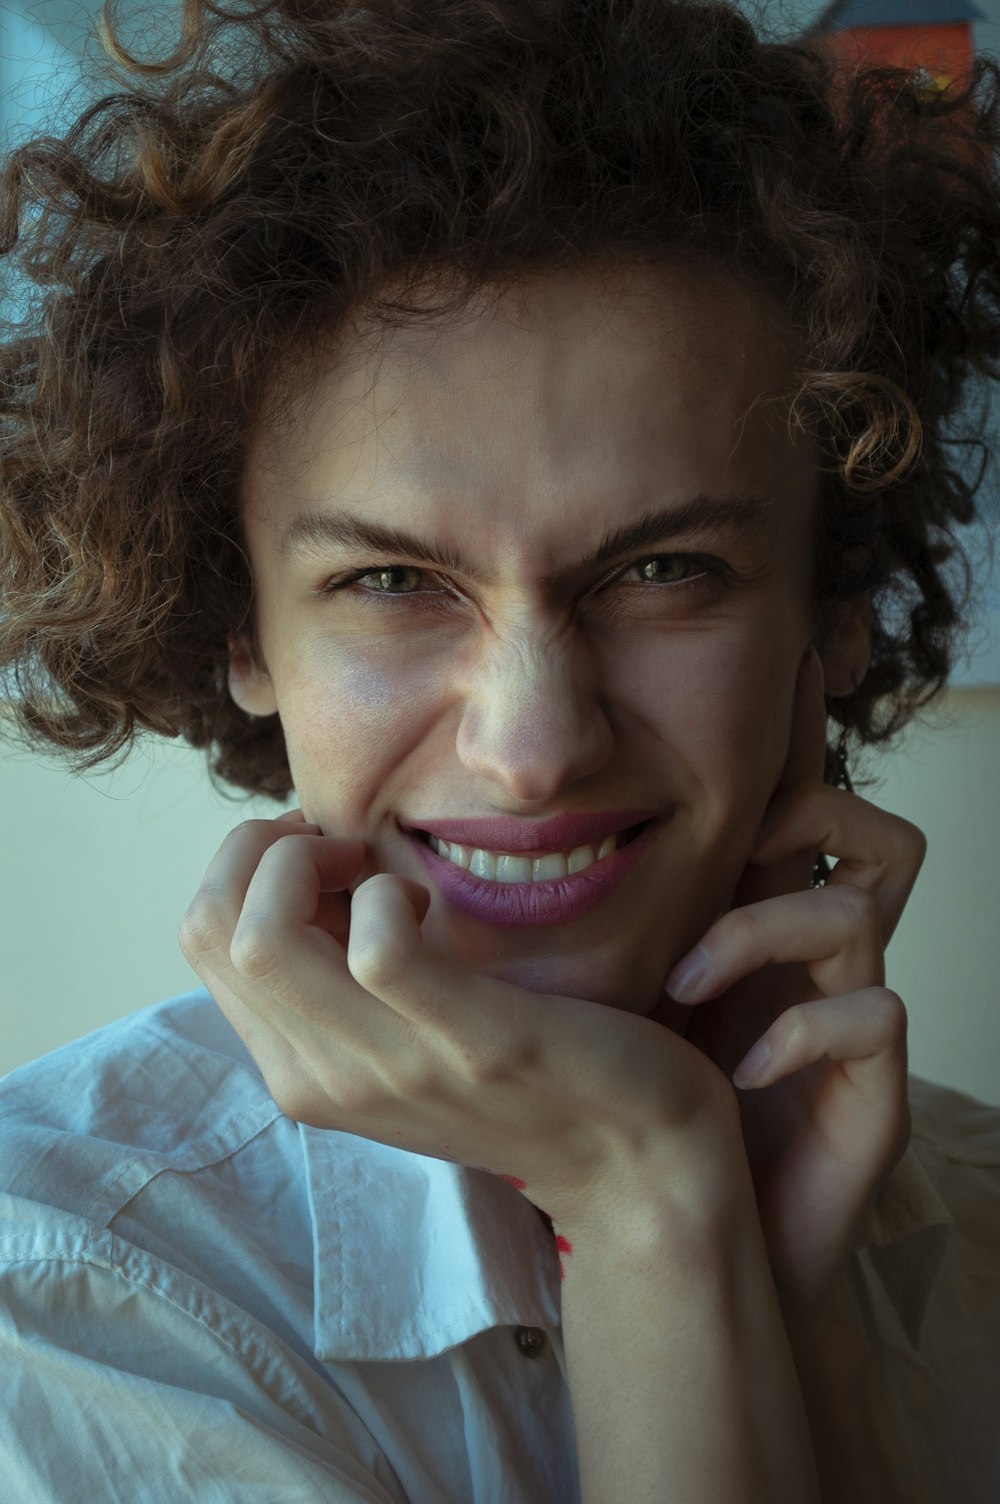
(683, 1386)
(859, 1453)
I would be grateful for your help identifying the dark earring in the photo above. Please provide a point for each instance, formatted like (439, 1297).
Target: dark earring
(841, 780)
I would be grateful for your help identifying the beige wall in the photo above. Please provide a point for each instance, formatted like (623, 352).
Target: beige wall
(95, 874)
(944, 959)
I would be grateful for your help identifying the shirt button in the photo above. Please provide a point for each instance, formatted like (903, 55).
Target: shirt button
(530, 1340)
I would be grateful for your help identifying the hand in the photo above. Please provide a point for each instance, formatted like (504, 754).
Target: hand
(803, 972)
(358, 1025)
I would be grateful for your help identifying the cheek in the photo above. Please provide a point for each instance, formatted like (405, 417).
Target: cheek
(366, 692)
(347, 720)
(722, 704)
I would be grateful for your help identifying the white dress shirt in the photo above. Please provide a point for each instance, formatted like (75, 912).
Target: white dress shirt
(203, 1300)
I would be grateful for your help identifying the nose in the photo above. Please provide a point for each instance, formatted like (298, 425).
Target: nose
(533, 722)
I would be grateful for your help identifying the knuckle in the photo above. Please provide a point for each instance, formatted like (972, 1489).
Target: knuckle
(857, 905)
(793, 1029)
(914, 843)
(203, 929)
(376, 956)
(288, 841)
(483, 1067)
(256, 839)
(378, 964)
(893, 1011)
(255, 949)
(741, 926)
(742, 932)
(255, 832)
(259, 826)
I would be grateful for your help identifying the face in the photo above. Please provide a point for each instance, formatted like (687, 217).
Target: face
(513, 657)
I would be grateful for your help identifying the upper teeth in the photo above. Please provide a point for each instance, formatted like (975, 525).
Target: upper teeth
(502, 867)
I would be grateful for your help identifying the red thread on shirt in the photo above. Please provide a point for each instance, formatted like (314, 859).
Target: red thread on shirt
(510, 1179)
(562, 1244)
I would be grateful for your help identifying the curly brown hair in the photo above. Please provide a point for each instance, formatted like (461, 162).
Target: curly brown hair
(203, 232)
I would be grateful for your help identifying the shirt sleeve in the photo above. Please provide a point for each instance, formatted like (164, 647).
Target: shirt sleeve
(121, 1385)
(932, 1292)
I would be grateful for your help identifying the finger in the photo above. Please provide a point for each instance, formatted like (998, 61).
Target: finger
(854, 1050)
(864, 1031)
(224, 886)
(332, 914)
(481, 1025)
(876, 851)
(386, 953)
(835, 934)
(296, 817)
(281, 900)
(210, 918)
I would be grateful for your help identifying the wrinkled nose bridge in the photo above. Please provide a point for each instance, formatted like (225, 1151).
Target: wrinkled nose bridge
(532, 717)
(529, 664)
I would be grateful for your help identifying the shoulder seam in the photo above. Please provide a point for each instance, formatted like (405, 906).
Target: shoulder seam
(250, 1352)
(148, 1165)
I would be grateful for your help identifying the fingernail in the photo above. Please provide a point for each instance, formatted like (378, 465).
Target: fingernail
(753, 1065)
(687, 976)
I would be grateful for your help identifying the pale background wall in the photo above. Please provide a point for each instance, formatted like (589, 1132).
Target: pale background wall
(95, 873)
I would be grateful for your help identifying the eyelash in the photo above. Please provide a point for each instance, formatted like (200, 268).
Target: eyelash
(707, 566)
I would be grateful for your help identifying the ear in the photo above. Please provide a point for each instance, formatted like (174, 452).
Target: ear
(249, 686)
(847, 646)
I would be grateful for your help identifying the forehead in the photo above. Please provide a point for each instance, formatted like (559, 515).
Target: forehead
(580, 391)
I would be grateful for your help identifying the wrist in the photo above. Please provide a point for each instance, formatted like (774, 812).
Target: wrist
(827, 1337)
(856, 1441)
(679, 1369)
(696, 1185)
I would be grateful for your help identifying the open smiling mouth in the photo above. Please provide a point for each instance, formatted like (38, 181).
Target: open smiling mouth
(527, 889)
(529, 867)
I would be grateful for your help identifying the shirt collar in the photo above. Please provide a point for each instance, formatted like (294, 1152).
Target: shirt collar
(413, 1255)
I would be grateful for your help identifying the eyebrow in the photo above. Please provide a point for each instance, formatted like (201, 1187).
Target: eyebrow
(314, 531)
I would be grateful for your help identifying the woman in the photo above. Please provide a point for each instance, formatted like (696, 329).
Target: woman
(518, 430)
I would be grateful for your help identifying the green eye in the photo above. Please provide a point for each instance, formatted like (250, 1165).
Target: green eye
(664, 569)
(387, 579)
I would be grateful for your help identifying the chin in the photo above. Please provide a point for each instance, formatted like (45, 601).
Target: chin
(577, 976)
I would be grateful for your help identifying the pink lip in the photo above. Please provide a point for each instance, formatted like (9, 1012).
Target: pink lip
(558, 833)
(529, 905)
